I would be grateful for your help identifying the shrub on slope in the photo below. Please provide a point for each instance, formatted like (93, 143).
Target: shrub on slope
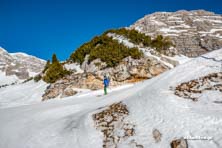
(106, 49)
(54, 71)
(160, 43)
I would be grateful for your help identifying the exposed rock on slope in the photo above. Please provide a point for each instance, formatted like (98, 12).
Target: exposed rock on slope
(179, 143)
(116, 130)
(193, 32)
(19, 65)
(194, 88)
(129, 70)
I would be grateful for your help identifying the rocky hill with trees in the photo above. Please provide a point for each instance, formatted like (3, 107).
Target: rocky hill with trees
(105, 55)
(150, 46)
(192, 32)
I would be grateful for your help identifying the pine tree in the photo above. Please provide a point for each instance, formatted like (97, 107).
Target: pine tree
(161, 44)
(47, 65)
(54, 58)
(55, 71)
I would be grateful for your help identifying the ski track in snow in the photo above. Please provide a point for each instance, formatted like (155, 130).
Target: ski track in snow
(68, 122)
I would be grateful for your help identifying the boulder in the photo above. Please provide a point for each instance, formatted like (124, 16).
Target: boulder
(157, 135)
(68, 92)
(157, 69)
(50, 94)
(179, 143)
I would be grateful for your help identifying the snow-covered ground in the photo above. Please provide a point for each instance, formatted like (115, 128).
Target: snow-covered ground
(7, 80)
(74, 67)
(22, 94)
(156, 107)
(152, 104)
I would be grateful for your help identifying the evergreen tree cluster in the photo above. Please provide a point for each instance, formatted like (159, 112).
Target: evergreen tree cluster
(112, 52)
(160, 43)
(106, 49)
(37, 78)
(133, 35)
(54, 71)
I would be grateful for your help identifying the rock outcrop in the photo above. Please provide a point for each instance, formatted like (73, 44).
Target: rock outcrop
(129, 70)
(21, 65)
(193, 32)
(116, 130)
(179, 143)
(194, 88)
(67, 85)
(156, 135)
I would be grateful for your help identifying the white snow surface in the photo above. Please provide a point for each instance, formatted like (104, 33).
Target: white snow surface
(68, 122)
(169, 30)
(122, 39)
(7, 80)
(74, 66)
(180, 58)
(22, 56)
(22, 94)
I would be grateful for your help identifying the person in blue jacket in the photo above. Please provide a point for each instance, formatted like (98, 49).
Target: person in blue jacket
(106, 84)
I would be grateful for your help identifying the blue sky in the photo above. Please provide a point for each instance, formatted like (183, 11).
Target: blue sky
(44, 27)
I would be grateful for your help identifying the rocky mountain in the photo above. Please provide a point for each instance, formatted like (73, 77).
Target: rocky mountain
(193, 32)
(128, 71)
(89, 74)
(18, 66)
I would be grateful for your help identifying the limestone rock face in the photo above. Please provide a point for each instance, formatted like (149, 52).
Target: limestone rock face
(20, 72)
(129, 70)
(20, 65)
(66, 86)
(156, 69)
(53, 92)
(93, 66)
(193, 32)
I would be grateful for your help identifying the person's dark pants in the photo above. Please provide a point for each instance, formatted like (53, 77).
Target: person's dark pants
(105, 90)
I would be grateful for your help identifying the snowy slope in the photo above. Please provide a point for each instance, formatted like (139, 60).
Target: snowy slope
(7, 79)
(22, 94)
(157, 107)
(68, 123)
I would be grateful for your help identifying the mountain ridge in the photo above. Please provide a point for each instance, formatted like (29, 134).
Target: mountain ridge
(18, 66)
(193, 32)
